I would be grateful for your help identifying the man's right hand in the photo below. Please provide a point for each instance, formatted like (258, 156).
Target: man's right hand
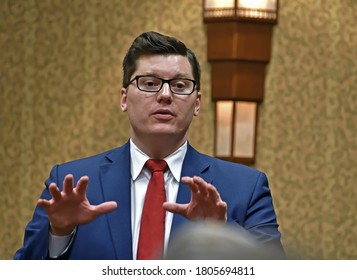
(70, 208)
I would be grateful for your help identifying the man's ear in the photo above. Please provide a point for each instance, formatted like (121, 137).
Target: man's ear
(123, 96)
(197, 104)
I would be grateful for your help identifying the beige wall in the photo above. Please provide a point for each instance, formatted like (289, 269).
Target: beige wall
(60, 76)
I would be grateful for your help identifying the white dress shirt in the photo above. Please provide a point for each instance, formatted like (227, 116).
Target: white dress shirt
(140, 177)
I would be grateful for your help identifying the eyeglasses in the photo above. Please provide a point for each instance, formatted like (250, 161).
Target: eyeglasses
(180, 86)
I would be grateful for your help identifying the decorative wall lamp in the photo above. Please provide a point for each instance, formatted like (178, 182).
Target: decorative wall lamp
(239, 48)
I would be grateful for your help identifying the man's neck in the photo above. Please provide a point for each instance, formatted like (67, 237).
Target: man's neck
(158, 147)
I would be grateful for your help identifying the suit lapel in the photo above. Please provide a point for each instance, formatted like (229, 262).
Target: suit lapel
(194, 164)
(115, 180)
(115, 183)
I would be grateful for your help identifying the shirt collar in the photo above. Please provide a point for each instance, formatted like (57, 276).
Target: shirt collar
(174, 160)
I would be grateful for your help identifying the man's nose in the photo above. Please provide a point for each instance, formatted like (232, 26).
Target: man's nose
(165, 92)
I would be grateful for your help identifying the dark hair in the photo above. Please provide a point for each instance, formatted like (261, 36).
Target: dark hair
(150, 43)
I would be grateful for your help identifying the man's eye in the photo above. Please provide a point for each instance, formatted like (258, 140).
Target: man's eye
(151, 83)
(179, 85)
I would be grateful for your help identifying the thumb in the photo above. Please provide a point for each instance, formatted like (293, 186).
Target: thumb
(105, 207)
(175, 208)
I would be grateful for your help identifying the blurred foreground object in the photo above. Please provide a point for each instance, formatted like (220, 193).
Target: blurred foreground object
(216, 241)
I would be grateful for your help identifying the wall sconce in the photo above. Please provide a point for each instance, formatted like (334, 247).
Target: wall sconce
(239, 48)
(264, 10)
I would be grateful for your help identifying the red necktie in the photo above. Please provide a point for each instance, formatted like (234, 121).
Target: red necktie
(151, 237)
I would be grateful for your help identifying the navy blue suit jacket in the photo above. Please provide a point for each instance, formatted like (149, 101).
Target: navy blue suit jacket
(244, 189)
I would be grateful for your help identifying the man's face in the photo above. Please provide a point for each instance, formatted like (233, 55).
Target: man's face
(163, 113)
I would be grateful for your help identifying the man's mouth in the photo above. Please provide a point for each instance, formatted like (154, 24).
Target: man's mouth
(163, 114)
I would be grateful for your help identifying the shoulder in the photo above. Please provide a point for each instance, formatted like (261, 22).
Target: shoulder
(105, 156)
(224, 166)
(224, 174)
(93, 162)
(89, 166)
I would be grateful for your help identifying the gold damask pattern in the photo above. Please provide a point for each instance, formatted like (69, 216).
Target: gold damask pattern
(308, 124)
(60, 66)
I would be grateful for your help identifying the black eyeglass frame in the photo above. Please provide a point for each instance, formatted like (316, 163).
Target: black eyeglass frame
(163, 81)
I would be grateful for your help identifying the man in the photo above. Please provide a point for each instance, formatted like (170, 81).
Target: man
(101, 216)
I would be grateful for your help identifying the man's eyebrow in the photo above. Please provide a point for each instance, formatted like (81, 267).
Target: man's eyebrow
(177, 76)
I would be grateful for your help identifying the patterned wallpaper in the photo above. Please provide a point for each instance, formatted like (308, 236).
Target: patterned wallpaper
(60, 65)
(308, 127)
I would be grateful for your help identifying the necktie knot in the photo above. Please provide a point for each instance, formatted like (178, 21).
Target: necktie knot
(156, 165)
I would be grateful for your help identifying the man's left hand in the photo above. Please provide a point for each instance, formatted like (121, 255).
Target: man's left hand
(205, 202)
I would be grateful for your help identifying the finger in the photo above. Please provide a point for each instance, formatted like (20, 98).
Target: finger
(105, 207)
(55, 192)
(222, 204)
(68, 184)
(82, 184)
(43, 203)
(213, 193)
(189, 182)
(175, 208)
(207, 189)
(202, 186)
